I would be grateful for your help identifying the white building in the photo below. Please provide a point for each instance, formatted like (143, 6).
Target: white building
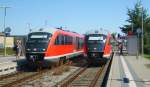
(9, 41)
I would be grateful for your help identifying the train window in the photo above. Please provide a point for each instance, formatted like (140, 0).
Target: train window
(39, 37)
(95, 38)
(63, 40)
(58, 40)
(79, 43)
(68, 40)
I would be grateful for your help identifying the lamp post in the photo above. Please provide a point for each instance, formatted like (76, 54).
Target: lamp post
(5, 8)
(142, 38)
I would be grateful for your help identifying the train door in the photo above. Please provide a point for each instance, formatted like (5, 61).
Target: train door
(76, 43)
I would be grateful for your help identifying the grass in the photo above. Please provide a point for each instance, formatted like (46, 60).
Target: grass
(147, 56)
(148, 65)
(9, 51)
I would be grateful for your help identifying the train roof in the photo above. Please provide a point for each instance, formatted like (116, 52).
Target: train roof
(100, 31)
(53, 30)
(49, 30)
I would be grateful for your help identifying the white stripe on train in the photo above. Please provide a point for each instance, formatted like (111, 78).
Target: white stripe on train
(57, 57)
(106, 55)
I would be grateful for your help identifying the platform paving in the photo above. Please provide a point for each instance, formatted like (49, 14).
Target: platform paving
(9, 64)
(9, 58)
(129, 71)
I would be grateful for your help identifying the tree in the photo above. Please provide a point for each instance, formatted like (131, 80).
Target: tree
(135, 19)
(135, 22)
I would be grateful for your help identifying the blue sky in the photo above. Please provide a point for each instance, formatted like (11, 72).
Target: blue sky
(75, 15)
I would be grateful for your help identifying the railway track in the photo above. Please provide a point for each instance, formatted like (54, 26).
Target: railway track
(86, 76)
(19, 78)
(22, 77)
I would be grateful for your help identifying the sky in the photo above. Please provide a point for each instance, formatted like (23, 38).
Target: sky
(75, 15)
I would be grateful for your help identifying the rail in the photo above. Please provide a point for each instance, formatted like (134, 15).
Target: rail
(87, 76)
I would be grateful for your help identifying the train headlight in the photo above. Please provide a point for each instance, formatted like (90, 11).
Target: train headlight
(28, 49)
(95, 48)
(43, 49)
(34, 49)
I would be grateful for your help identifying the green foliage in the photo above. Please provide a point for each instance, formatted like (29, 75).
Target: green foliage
(135, 19)
(9, 51)
(147, 56)
(147, 48)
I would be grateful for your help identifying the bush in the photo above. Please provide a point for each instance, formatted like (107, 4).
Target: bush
(147, 48)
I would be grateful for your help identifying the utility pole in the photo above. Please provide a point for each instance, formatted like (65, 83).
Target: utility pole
(29, 27)
(142, 33)
(132, 23)
(5, 8)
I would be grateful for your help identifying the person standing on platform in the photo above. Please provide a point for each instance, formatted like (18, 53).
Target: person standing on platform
(121, 48)
(18, 49)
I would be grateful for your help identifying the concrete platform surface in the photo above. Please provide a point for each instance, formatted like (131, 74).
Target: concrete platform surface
(9, 58)
(128, 71)
(9, 64)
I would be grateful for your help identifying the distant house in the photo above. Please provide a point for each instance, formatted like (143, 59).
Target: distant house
(9, 41)
(1, 39)
(1, 34)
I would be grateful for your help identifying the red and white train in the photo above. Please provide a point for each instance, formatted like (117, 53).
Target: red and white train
(55, 45)
(98, 46)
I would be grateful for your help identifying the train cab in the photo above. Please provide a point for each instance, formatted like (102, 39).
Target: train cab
(36, 45)
(53, 46)
(98, 47)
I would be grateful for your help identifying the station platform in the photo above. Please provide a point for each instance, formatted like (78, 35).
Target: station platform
(129, 71)
(9, 64)
(9, 59)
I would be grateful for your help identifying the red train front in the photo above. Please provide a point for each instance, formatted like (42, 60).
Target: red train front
(98, 47)
(54, 45)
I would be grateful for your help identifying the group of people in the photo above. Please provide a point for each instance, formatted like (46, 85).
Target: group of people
(18, 49)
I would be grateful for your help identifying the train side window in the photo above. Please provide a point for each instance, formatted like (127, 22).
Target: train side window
(71, 40)
(62, 40)
(58, 40)
(68, 40)
(77, 43)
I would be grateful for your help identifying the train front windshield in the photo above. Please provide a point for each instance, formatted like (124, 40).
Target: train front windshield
(96, 42)
(38, 41)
